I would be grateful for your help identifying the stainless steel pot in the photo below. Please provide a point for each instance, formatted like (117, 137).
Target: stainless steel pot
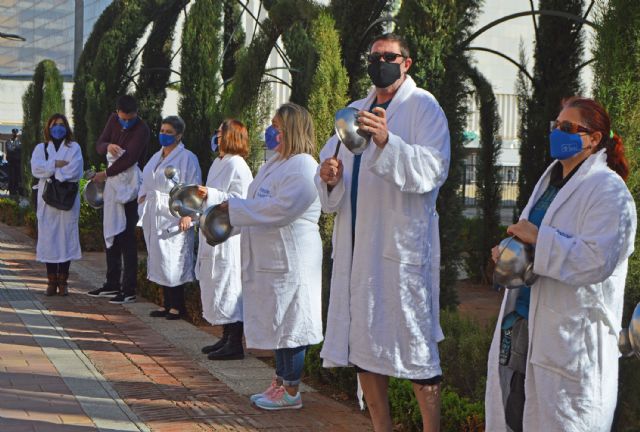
(185, 201)
(93, 194)
(346, 126)
(514, 267)
(215, 225)
(629, 338)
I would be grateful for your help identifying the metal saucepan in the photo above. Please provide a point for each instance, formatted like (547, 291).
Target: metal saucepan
(629, 338)
(185, 201)
(514, 267)
(173, 175)
(346, 126)
(215, 225)
(93, 192)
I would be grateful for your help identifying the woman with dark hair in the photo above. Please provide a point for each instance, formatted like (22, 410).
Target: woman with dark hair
(169, 239)
(218, 268)
(561, 333)
(59, 158)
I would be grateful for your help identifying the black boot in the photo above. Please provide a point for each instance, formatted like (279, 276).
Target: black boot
(232, 349)
(223, 340)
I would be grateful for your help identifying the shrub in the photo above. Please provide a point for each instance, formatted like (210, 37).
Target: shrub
(10, 212)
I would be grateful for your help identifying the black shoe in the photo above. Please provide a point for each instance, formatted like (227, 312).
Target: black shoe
(158, 313)
(172, 316)
(105, 291)
(121, 299)
(232, 349)
(216, 346)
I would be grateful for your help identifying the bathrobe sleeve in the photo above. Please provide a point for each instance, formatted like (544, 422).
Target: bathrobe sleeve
(73, 170)
(420, 166)
(605, 239)
(41, 167)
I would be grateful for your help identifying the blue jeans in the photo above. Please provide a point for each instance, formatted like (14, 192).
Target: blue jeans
(289, 364)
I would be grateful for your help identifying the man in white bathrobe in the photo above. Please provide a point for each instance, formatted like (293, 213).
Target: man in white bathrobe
(384, 305)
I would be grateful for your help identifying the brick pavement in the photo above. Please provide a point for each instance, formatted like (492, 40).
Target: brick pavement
(163, 386)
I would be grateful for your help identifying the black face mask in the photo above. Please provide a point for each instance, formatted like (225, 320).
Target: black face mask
(384, 74)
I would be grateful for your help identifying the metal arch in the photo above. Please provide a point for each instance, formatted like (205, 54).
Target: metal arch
(545, 12)
(504, 56)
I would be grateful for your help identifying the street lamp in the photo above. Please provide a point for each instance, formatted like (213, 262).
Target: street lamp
(12, 37)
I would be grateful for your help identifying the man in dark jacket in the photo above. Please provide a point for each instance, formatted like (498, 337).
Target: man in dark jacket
(125, 136)
(13, 148)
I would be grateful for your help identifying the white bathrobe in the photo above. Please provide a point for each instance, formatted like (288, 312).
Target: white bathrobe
(384, 304)
(575, 313)
(58, 237)
(219, 268)
(170, 254)
(281, 255)
(118, 190)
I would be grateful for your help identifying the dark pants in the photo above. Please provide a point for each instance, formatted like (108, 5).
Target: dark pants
(14, 176)
(125, 249)
(58, 268)
(174, 298)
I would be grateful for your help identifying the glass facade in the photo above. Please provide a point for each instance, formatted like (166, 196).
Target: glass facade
(49, 29)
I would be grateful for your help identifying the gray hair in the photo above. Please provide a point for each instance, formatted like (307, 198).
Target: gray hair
(176, 122)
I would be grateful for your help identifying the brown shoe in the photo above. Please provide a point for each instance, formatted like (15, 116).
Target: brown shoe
(63, 287)
(52, 284)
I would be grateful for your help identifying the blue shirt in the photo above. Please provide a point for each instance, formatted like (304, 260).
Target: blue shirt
(354, 180)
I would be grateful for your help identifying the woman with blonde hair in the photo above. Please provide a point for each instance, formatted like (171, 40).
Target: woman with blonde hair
(282, 255)
(57, 162)
(218, 267)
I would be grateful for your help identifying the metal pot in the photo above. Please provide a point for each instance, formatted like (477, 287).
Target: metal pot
(185, 201)
(629, 338)
(514, 267)
(346, 126)
(215, 225)
(93, 194)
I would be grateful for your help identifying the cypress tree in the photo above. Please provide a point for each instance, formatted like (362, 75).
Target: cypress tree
(42, 99)
(233, 38)
(155, 69)
(434, 31)
(200, 85)
(488, 178)
(617, 74)
(558, 53)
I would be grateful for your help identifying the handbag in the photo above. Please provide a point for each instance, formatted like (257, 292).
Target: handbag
(59, 194)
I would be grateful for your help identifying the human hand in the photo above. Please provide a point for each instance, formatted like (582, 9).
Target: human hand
(114, 150)
(224, 205)
(331, 171)
(203, 192)
(100, 177)
(141, 199)
(61, 163)
(525, 231)
(495, 254)
(185, 223)
(375, 124)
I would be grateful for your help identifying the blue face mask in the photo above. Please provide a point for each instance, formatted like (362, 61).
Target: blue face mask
(127, 124)
(271, 137)
(166, 139)
(58, 131)
(214, 143)
(564, 145)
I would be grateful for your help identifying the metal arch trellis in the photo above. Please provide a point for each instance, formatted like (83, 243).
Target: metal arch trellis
(582, 20)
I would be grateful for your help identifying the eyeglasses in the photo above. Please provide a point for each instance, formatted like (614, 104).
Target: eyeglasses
(388, 57)
(568, 127)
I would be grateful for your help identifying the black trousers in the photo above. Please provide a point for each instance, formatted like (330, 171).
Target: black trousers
(174, 298)
(124, 249)
(58, 268)
(14, 176)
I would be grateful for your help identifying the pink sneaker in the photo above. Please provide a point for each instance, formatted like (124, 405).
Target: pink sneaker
(280, 400)
(268, 392)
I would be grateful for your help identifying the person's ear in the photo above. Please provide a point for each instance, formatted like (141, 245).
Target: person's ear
(407, 64)
(594, 139)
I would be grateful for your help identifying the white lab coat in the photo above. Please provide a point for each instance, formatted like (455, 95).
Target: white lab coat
(384, 304)
(170, 254)
(576, 304)
(281, 255)
(58, 237)
(219, 268)
(118, 190)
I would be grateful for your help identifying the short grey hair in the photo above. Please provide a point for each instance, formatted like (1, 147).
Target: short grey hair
(176, 122)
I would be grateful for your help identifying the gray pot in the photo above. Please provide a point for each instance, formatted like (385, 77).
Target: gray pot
(93, 194)
(215, 225)
(346, 126)
(514, 267)
(185, 201)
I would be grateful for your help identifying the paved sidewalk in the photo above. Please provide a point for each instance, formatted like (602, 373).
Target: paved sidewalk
(81, 364)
